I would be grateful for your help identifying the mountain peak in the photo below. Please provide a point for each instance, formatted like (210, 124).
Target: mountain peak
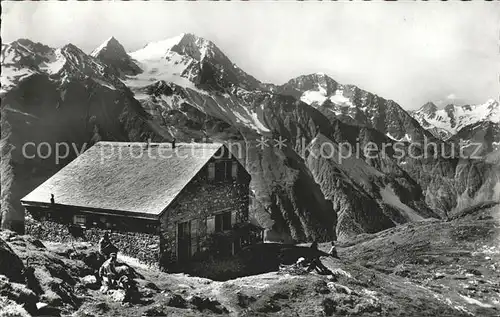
(111, 45)
(195, 58)
(188, 44)
(72, 49)
(113, 54)
(428, 108)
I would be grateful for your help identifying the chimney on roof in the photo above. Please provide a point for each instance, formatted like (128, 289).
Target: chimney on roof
(173, 143)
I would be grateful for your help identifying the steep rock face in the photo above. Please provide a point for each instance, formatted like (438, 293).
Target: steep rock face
(452, 118)
(281, 204)
(112, 53)
(478, 139)
(368, 194)
(67, 103)
(451, 185)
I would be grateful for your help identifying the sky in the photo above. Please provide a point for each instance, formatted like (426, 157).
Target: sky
(410, 52)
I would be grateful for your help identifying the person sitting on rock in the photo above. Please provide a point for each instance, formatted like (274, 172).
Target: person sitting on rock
(106, 247)
(130, 287)
(333, 251)
(107, 273)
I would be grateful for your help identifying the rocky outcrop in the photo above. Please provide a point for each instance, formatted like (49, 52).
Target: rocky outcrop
(10, 264)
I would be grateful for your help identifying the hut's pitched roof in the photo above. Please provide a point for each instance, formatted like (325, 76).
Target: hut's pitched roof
(130, 177)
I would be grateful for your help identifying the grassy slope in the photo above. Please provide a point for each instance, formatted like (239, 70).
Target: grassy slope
(428, 268)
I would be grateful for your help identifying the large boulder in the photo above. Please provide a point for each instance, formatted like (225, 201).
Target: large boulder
(18, 293)
(10, 264)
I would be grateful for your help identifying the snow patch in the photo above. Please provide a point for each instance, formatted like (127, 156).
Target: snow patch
(156, 50)
(55, 64)
(103, 83)
(475, 302)
(11, 76)
(314, 96)
(406, 138)
(168, 70)
(340, 99)
(390, 198)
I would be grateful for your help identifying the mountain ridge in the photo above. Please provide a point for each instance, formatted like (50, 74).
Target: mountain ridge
(451, 118)
(184, 92)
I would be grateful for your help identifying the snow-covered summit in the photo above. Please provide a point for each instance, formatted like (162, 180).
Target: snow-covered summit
(23, 58)
(156, 50)
(452, 118)
(187, 60)
(184, 44)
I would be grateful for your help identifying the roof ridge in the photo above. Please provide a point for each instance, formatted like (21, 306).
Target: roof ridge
(157, 144)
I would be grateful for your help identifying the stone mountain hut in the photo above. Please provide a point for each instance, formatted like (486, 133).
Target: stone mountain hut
(161, 202)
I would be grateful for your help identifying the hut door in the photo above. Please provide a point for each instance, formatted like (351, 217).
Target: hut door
(183, 241)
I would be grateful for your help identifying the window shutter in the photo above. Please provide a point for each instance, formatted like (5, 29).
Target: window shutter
(194, 236)
(210, 224)
(234, 169)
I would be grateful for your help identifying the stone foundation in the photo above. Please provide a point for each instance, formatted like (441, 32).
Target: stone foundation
(142, 246)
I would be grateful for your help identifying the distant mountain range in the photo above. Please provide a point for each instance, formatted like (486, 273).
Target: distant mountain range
(186, 87)
(449, 120)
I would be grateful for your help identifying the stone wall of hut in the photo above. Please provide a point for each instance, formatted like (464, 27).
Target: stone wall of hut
(198, 203)
(144, 246)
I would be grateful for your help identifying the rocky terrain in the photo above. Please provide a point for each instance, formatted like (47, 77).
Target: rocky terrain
(424, 268)
(186, 87)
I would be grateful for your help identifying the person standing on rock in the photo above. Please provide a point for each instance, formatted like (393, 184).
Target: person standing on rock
(315, 262)
(107, 273)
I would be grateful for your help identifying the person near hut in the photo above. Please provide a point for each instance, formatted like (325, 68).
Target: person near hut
(52, 200)
(106, 247)
(107, 273)
(130, 287)
(314, 245)
(333, 251)
(315, 262)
